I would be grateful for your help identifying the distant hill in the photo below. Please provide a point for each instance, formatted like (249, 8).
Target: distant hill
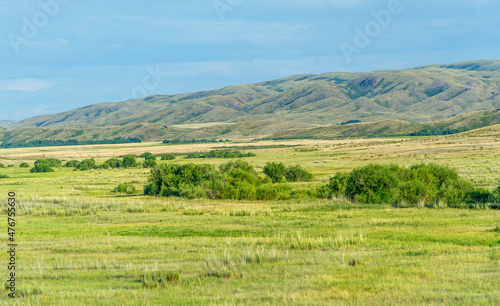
(4, 123)
(389, 128)
(146, 132)
(422, 94)
(264, 129)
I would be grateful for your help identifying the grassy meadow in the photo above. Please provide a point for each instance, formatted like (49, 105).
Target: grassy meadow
(80, 243)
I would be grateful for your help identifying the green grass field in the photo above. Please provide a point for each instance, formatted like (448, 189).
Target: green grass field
(79, 243)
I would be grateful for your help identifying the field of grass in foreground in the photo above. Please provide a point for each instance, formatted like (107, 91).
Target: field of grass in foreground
(309, 252)
(81, 244)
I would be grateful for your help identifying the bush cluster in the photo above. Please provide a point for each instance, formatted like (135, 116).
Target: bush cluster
(168, 156)
(232, 180)
(178, 141)
(220, 154)
(125, 188)
(45, 165)
(279, 173)
(423, 184)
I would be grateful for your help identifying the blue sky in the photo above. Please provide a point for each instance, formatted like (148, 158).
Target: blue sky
(57, 55)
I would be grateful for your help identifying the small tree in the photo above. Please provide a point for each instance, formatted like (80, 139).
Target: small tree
(148, 156)
(168, 156)
(24, 165)
(129, 161)
(87, 164)
(149, 163)
(275, 171)
(297, 174)
(41, 167)
(114, 163)
(73, 164)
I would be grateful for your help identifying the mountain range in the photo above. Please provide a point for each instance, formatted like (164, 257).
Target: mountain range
(417, 98)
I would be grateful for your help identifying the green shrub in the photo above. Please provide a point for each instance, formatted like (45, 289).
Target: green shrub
(129, 161)
(274, 192)
(336, 185)
(86, 164)
(125, 188)
(173, 180)
(148, 156)
(275, 171)
(297, 174)
(51, 162)
(114, 163)
(73, 164)
(41, 167)
(480, 196)
(2, 165)
(54, 162)
(24, 165)
(149, 163)
(374, 184)
(168, 157)
(454, 192)
(103, 166)
(220, 154)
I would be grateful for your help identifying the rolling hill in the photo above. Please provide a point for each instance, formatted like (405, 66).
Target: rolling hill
(390, 128)
(429, 100)
(421, 94)
(4, 123)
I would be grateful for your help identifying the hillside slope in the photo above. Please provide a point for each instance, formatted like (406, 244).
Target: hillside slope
(421, 94)
(387, 128)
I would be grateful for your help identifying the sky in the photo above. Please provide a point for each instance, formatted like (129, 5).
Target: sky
(57, 55)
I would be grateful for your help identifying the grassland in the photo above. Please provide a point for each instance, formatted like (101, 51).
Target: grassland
(79, 243)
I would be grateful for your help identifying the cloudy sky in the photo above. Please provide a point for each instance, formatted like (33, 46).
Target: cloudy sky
(57, 55)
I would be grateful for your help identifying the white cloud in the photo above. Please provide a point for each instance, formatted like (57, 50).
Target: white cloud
(29, 85)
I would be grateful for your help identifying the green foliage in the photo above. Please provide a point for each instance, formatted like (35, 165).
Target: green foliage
(52, 162)
(148, 156)
(168, 156)
(417, 186)
(480, 196)
(335, 187)
(454, 192)
(125, 188)
(114, 163)
(178, 141)
(220, 154)
(374, 184)
(87, 164)
(276, 171)
(69, 142)
(129, 161)
(103, 166)
(2, 165)
(235, 180)
(41, 167)
(73, 164)
(176, 180)
(2, 176)
(149, 163)
(297, 174)
(24, 165)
